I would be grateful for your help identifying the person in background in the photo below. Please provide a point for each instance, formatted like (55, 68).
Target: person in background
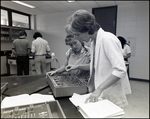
(108, 76)
(40, 48)
(125, 48)
(21, 48)
(78, 56)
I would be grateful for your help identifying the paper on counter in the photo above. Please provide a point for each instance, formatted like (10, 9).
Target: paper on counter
(100, 109)
(25, 99)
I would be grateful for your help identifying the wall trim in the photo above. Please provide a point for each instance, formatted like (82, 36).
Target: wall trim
(136, 79)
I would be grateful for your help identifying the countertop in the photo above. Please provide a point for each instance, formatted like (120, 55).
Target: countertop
(24, 84)
(30, 57)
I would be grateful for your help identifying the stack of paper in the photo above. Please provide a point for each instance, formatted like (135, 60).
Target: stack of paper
(25, 99)
(100, 109)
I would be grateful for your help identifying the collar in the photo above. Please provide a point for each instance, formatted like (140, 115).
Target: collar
(81, 52)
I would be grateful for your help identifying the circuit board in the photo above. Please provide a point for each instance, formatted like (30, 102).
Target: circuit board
(65, 85)
(36, 111)
(69, 80)
(41, 110)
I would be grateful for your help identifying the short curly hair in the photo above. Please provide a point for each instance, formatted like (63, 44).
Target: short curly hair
(82, 21)
(37, 34)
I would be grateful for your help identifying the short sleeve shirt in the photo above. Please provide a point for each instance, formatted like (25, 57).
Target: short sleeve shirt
(21, 46)
(126, 50)
(84, 57)
(40, 46)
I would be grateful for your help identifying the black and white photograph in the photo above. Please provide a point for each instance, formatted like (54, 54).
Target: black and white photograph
(74, 59)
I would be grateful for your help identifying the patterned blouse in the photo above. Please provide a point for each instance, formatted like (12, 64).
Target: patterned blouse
(84, 57)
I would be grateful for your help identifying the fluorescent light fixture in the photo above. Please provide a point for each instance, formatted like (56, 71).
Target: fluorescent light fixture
(71, 0)
(24, 4)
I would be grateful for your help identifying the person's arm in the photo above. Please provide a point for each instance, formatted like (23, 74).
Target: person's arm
(33, 48)
(106, 84)
(79, 66)
(127, 56)
(48, 49)
(29, 51)
(59, 70)
(28, 47)
(14, 52)
(128, 52)
(14, 49)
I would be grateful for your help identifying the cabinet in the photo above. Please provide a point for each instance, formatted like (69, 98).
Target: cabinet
(9, 33)
(32, 70)
(5, 34)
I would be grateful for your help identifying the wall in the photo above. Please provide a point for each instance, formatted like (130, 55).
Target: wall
(53, 28)
(132, 23)
(5, 45)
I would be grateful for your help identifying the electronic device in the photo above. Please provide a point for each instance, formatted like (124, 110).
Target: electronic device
(51, 109)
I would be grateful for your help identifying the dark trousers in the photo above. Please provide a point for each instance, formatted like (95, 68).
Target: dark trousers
(22, 65)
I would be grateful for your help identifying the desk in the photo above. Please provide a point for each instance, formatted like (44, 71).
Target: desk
(17, 82)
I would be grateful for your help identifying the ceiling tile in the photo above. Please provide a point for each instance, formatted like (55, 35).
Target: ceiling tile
(63, 2)
(37, 11)
(5, 3)
(49, 9)
(35, 3)
(61, 7)
(73, 5)
(51, 2)
(14, 6)
(88, 4)
(106, 3)
(123, 2)
(44, 7)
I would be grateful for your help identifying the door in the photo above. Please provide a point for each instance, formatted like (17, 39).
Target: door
(106, 17)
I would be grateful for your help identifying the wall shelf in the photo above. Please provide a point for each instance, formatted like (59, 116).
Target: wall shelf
(9, 33)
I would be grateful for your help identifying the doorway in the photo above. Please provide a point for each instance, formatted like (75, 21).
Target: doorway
(106, 17)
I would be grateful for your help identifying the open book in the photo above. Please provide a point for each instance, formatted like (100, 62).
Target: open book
(100, 109)
(25, 99)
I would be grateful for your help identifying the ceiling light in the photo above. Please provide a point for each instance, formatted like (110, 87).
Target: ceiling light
(71, 0)
(24, 4)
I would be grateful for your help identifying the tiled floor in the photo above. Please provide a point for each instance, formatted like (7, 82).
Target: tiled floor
(138, 101)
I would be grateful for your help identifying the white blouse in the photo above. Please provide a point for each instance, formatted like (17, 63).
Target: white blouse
(126, 50)
(109, 60)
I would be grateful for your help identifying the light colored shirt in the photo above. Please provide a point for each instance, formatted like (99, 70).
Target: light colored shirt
(109, 60)
(84, 57)
(40, 46)
(21, 46)
(126, 50)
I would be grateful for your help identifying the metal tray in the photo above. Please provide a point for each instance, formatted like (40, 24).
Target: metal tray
(4, 86)
(66, 85)
(51, 109)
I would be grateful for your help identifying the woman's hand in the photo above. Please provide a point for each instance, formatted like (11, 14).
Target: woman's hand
(50, 73)
(94, 96)
(71, 67)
